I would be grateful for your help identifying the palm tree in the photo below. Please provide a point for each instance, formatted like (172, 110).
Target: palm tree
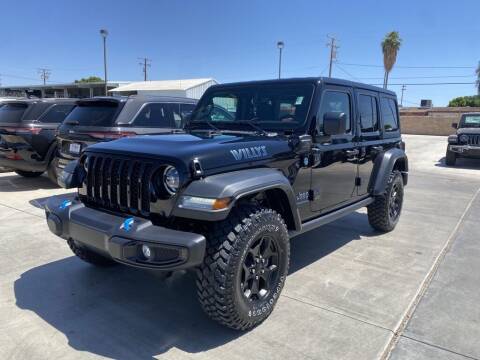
(390, 46)
(478, 78)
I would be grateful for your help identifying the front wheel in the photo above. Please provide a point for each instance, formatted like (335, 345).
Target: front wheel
(450, 158)
(245, 267)
(384, 212)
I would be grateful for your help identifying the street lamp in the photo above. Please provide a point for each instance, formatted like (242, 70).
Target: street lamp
(104, 34)
(280, 46)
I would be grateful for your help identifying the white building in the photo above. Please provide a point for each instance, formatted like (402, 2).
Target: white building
(191, 88)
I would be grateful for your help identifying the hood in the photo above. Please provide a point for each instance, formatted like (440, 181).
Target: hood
(213, 151)
(466, 130)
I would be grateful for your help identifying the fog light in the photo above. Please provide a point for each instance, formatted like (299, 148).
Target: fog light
(147, 252)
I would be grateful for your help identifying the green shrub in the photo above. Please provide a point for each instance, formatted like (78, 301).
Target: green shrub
(463, 101)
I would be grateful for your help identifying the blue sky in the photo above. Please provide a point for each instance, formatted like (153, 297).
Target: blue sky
(236, 40)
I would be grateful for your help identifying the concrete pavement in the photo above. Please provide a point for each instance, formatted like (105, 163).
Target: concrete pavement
(349, 292)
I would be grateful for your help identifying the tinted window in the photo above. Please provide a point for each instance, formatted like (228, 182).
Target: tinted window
(93, 114)
(337, 102)
(155, 115)
(186, 109)
(470, 121)
(12, 113)
(268, 106)
(368, 113)
(389, 114)
(56, 114)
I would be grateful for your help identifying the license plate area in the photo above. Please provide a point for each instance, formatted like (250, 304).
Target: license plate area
(75, 148)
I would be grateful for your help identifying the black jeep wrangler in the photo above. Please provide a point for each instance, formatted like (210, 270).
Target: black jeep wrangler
(27, 135)
(466, 142)
(258, 163)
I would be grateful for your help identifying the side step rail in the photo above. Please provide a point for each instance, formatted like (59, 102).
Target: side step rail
(332, 216)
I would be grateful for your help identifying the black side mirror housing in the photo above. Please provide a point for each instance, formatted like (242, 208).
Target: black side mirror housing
(455, 125)
(334, 123)
(72, 176)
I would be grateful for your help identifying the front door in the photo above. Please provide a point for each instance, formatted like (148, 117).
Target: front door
(335, 166)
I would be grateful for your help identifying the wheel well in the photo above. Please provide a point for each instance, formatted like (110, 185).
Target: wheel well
(401, 165)
(277, 200)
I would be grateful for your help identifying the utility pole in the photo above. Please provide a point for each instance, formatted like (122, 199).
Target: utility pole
(145, 63)
(404, 87)
(333, 53)
(44, 74)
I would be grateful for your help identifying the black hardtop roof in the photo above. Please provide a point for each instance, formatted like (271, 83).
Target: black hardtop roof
(471, 113)
(308, 80)
(139, 98)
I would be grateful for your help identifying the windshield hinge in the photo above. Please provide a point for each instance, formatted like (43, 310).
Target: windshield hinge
(197, 169)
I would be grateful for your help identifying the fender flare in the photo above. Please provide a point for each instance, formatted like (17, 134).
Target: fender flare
(236, 185)
(384, 165)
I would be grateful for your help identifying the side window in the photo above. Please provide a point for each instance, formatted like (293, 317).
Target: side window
(367, 106)
(56, 114)
(155, 115)
(389, 114)
(334, 101)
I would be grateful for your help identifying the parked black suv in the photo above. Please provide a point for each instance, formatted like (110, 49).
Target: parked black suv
(27, 134)
(102, 119)
(226, 196)
(466, 142)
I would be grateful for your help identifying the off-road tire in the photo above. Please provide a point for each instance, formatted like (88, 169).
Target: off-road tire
(29, 174)
(52, 171)
(89, 256)
(379, 215)
(450, 158)
(219, 278)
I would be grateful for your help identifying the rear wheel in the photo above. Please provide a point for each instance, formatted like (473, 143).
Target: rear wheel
(384, 212)
(450, 158)
(245, 267)
(28, 174)
(89, 256)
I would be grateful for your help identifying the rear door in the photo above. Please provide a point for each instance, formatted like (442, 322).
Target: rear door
(370, 142)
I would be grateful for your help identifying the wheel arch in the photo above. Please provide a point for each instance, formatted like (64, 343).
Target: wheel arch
(241, 186)
(390, 160)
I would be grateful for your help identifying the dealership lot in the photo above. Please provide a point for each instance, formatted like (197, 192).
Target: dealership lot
(349, 292)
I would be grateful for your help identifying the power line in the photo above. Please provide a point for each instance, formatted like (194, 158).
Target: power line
(145, 63)
(44, 74)
(411, 67)
(348, 74)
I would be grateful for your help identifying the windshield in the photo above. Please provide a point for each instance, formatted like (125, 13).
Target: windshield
(470, 121)
(270, 107)
(12, 113)
(93, 114)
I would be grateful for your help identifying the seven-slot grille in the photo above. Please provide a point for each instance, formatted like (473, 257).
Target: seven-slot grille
(474, 139)
(119, 183)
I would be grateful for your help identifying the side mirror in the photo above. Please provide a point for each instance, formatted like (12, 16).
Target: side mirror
(334, 123)
(455, 125)
(72, 176)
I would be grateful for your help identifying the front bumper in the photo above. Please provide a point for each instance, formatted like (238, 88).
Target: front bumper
(465, 150)
(106, 234)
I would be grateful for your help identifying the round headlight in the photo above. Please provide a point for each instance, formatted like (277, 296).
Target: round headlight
(463, 138)
(171, 179)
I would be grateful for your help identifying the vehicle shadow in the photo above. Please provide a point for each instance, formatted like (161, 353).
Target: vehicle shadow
(125, 313)
(461, 163)
(12, 182)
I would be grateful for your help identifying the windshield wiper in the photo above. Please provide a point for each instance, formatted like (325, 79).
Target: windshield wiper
(251, 122)
(208, 122)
